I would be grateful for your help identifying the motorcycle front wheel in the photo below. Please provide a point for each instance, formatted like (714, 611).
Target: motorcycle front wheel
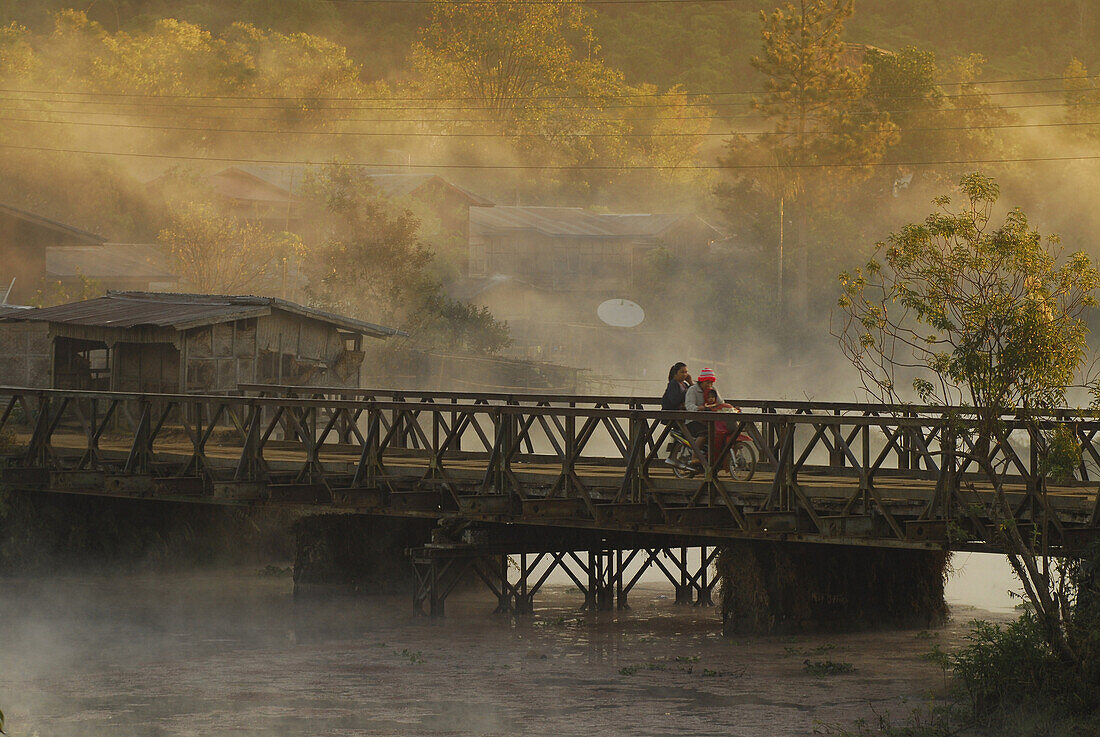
(683, 455)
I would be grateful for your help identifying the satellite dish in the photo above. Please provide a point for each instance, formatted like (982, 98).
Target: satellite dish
(620, 313)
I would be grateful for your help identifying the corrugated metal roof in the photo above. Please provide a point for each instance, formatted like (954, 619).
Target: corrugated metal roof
(575, 221)
(470, 288)
(6, 310)
(110, 261)
(549, 220)
(238, 183)
(45, 222)
(184, 311)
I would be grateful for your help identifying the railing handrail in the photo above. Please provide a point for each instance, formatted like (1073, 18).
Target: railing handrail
(764, 404)
(904, 418)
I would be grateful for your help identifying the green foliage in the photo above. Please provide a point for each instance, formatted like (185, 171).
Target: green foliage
(532, 73)
(453, 325)
(937, 721)
(933, 123)
(1004, 665)
(986, 311)
(57, 292)
(827, 668)
(364, 258)
(815, 101)
(218, 254)
(504, 54)
(1005, 668)
(1062, 456)
(415, 657)
(1081, 96)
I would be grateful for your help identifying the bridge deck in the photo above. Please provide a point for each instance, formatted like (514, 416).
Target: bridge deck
(855, 474)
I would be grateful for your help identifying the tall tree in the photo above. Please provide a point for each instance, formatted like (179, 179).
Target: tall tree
(1082, 98)
(815, 98)
(815, 88)
(512, 58)
(941, 114)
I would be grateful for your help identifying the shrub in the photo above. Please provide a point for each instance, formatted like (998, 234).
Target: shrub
(1005, 669)
(1003, 665)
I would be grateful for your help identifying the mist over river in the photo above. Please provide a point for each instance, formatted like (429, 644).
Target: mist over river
(233, 653)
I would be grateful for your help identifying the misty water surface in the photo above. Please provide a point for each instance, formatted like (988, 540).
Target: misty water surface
(233, 653)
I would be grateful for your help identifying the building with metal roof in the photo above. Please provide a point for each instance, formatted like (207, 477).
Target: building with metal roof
(270, 194)
(115, 266)
(164, 342)
(572, 249)
(546, 270)
(25, 238)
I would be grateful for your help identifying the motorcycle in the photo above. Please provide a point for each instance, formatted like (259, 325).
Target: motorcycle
(740, 459)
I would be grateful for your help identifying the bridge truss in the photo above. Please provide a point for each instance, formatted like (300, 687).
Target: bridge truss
(847, 473)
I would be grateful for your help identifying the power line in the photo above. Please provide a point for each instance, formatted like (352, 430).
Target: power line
(145, 101)
(532, 2)
(562, 167)
(500, 134)
(390, 98)
(701, 116)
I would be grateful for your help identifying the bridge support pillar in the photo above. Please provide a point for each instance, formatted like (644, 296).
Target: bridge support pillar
(356, 553)
(600, 594)
(784, 587)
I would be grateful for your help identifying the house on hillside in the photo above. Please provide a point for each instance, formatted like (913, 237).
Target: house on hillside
(25, 238)
(546, 270)
(177, 343)
(45, 254)
(569, 249)
(140, 267)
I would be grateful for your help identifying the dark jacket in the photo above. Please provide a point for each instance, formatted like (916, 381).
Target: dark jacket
(674, 396)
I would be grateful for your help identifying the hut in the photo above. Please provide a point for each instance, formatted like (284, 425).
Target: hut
(181, 343)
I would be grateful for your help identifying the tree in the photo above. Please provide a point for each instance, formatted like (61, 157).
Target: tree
(532, 73)
(815, 92)
(933, 123)
(505, 56)
(17, 58)
(816, 101)
(216, 254)
(1082, 97)
(365, 259)
(989, 316)
(57, 292)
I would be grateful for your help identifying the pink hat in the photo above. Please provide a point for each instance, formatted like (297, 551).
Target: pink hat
(706, 375)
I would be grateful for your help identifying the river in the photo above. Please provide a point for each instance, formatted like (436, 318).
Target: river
(231, 652)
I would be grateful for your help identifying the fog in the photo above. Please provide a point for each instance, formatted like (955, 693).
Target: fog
(232, 652)
(113, 119)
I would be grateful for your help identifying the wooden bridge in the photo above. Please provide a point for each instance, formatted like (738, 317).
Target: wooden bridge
(847, 473)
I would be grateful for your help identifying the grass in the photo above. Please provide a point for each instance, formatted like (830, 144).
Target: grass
(415, 657)
(827, 668)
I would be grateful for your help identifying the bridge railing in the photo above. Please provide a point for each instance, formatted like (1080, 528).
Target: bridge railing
(537, 398)
(824, 474)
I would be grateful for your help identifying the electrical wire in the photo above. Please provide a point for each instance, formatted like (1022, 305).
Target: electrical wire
(598, 101)
(712, 93)
(499, 134)
(569, 167)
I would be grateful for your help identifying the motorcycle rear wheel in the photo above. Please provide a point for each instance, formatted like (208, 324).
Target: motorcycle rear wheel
(742, 461)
